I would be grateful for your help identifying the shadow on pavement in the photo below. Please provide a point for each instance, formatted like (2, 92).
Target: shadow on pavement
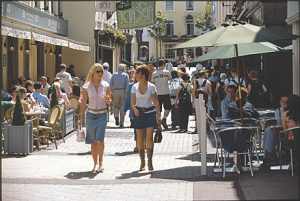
(274, 185)
(132, 175)
(189, 173)
(125, 153)
(196, 157)
(81, 153)
(80, 175)
(3, 156)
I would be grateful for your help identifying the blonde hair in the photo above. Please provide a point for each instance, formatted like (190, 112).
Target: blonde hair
(95, 67)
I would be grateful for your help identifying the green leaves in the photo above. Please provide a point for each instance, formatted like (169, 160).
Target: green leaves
(203, 20)
(159, 28)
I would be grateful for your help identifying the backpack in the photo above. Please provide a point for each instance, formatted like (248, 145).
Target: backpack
(184, 96)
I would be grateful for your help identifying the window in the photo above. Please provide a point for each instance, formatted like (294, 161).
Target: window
(189, 20)
(169, 28)
(169, 5)
(189, 5)
(170, 52)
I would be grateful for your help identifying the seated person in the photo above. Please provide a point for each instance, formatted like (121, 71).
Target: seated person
(39, 97)
(271, 134)
(62, 97)
(239, 108)
(228, 100)
(26, 103)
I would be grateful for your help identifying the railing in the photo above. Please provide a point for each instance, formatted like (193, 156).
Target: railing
(34, 17)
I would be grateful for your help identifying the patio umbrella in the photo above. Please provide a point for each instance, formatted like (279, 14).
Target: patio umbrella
(234, 33)
(228, 51)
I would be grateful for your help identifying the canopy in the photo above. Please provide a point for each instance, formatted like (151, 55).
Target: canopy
(228, 51)
(234, 33)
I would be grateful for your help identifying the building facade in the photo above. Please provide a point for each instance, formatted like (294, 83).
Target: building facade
(293, 13)
(34, 35)
(180, 26)
(221, 11)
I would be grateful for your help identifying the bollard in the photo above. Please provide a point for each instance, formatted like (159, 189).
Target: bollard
(201, 128)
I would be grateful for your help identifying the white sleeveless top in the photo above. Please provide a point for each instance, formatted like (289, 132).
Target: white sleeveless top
(96, 97)
(144, 100)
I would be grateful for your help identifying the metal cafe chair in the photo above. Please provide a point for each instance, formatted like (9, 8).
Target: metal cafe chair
(238, 139)
(253, 122)
(290, 145)
(214, 126)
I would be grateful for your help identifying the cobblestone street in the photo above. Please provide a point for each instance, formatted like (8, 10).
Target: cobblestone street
(64, 174)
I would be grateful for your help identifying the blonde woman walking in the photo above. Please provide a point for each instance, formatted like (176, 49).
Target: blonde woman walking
(146, 109)
(97, 93)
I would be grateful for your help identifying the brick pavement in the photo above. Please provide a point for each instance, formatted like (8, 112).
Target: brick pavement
(63, 174)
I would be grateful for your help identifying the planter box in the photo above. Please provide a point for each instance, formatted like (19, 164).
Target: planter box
(18, 139)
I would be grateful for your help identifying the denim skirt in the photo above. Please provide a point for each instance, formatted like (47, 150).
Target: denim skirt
(144, 120)
(95, 127)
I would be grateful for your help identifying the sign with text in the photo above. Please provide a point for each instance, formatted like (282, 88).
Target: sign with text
(140, 14)
(105, 6)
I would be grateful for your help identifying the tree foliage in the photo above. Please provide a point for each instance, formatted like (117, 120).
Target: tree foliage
(204, 18)
(159, 28)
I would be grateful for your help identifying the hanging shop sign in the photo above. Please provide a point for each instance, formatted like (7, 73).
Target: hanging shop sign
(13, 32)
(140, 14)
(49, 39)
(76, 46)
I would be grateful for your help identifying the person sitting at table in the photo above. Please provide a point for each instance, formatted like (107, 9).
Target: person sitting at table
(44, 85)
(29, 86)
(270, 140)
(39, 97)
(229, 99)
(239, 108)
(26, 102)
(62, 97)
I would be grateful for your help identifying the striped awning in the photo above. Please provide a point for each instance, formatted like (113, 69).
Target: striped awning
(44, 37)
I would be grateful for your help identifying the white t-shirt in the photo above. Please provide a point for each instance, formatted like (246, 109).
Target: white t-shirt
(161, 80)
(65, 81)
(107, 76)
(144, 100)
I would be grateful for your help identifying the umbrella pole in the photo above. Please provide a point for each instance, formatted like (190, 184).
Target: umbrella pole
(239, 79)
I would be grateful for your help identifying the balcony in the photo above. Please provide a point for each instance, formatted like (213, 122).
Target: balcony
(34, 17)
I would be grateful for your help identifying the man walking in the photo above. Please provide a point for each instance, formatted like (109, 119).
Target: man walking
(118, 84)
(106, 75)
(161, 78)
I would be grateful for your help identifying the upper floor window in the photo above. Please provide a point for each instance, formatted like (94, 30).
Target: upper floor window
(189, 21)
(170, 28)
(189, 4)
(169, 5)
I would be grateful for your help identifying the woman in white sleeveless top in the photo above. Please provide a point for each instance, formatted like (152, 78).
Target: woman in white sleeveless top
(145, 105)
(97, 93)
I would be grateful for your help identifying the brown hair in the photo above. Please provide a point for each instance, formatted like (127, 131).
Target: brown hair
(144, 71)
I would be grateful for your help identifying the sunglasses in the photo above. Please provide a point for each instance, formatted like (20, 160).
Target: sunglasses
(99, 71)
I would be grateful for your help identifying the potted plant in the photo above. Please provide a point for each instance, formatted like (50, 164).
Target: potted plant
(18, 136)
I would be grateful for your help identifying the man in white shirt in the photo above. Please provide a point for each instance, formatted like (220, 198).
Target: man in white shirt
(66, 79)
(169, 66)
(161, 78)
(106, 75)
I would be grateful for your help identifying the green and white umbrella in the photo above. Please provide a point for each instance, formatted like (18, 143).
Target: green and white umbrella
(234, 33)
(245, 49)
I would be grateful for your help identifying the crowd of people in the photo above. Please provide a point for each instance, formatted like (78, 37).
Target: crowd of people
(151, 94)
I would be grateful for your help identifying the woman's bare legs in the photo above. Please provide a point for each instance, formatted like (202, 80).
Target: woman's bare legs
(94, 152)
(149, 146)
(141, 147)
(100, 154)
